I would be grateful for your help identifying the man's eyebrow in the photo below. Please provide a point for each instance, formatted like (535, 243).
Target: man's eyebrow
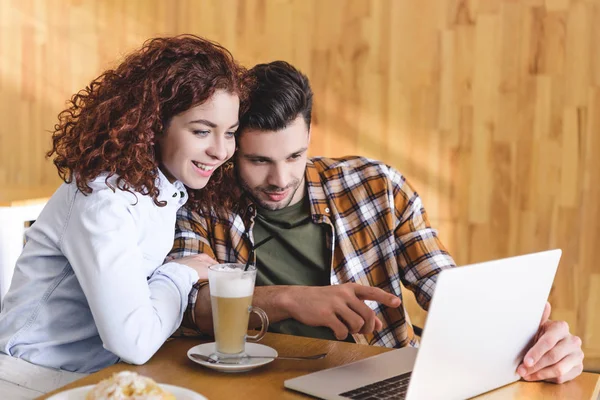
(302, 150)
(264, 158)
(257, 157)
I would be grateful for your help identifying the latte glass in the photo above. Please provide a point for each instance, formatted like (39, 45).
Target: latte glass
(231, 290)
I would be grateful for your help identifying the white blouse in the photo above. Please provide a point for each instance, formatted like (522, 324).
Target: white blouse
(90, 287)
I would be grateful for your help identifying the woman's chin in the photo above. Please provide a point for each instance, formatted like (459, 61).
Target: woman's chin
(195, 184)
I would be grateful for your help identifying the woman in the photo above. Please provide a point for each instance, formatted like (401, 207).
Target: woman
(90, 287)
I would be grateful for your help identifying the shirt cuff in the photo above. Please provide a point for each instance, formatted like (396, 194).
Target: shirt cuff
(182, 276)
(174, 270)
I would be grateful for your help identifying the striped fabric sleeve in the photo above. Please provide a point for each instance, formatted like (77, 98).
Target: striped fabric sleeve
(191, 235)
(420, 253)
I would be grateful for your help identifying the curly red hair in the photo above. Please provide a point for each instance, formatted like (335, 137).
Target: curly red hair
(112, 126)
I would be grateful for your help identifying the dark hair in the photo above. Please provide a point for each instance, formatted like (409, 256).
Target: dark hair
(113, 125)
(279, 94)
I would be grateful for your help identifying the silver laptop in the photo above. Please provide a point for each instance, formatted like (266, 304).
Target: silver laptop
(481, 320)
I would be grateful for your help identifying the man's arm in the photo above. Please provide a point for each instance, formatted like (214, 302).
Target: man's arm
(556, 355)
(420, 254)
(340, 308)
(265, 297)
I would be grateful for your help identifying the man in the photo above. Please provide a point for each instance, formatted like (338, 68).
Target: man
(339, 236)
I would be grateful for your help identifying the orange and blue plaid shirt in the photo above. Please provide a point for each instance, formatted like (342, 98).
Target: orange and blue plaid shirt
(379, 236)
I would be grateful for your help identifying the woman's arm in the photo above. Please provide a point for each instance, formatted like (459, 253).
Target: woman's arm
(134, 314)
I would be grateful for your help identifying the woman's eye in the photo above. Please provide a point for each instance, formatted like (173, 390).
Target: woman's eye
(230, 135)
(201, 133)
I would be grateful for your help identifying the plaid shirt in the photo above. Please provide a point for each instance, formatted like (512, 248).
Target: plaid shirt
(379, 236)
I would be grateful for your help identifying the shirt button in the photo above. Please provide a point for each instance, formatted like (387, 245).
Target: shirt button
(251, 209)
(327, 210)
(175, 194)
(182, 194)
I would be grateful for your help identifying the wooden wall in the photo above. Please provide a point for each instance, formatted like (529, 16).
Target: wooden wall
(490, 107)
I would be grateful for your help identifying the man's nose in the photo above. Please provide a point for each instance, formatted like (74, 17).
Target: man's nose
(277, 177)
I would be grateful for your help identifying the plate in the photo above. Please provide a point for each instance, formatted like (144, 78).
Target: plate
(80, 393)
(252, 349)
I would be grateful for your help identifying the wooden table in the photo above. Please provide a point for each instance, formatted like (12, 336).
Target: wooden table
(170, 365)
(18, 205)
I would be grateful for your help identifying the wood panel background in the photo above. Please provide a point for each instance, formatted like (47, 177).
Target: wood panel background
(491, 108)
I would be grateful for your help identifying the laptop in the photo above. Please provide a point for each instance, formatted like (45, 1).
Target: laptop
(481, 321)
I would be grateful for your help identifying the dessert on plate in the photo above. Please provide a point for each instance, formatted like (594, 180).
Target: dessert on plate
(127, 385)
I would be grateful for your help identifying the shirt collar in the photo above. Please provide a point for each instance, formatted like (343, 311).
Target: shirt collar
(173, 193)
(319, 203)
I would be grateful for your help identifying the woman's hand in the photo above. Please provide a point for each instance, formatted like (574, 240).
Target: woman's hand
(199, 262)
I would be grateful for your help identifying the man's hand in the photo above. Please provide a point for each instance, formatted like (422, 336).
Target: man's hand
(339, 307)
(556, 355)
(199, 262)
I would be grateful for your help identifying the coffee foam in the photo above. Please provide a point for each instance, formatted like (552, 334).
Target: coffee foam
(231, 284)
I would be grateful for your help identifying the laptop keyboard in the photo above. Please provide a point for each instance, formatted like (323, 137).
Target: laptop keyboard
(393, 388)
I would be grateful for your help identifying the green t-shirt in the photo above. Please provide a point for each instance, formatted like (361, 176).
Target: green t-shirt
(297, 255)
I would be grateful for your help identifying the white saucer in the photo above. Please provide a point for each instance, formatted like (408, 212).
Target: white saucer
(252, 349)
(80, 392)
